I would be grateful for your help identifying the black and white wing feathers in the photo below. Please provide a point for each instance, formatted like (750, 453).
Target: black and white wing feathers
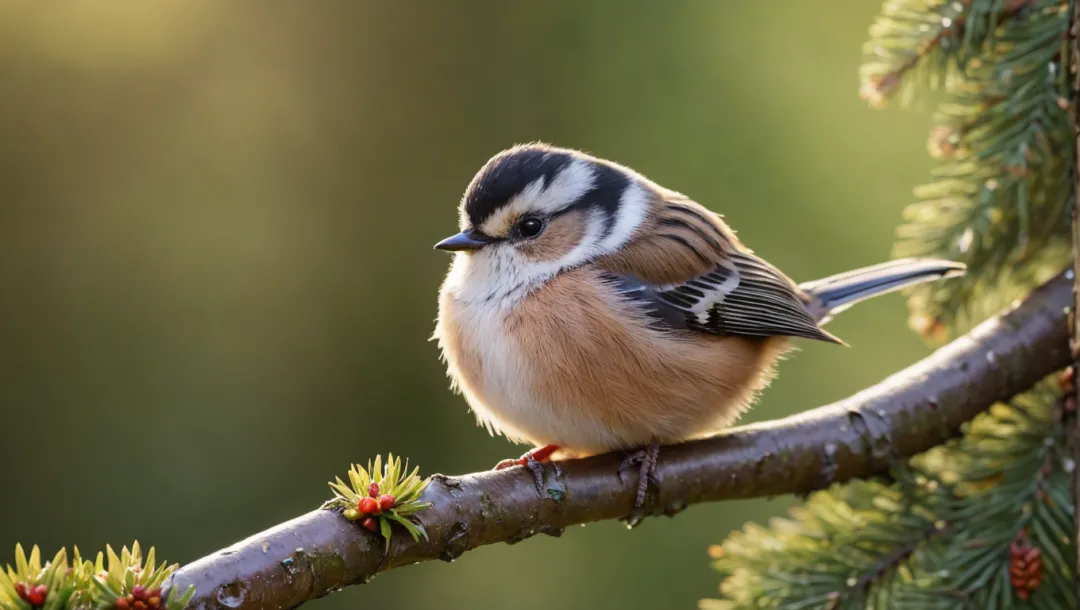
(742, 296)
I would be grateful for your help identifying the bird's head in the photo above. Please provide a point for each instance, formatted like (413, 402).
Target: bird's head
(535, 210)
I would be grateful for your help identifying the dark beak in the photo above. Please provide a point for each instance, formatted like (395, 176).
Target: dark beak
(466, 241)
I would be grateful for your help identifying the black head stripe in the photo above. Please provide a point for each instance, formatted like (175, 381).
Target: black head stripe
(609, 183)
(507, 174)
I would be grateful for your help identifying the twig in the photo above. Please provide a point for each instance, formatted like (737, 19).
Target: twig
(881, 86)
(905, 414)
(900, 554)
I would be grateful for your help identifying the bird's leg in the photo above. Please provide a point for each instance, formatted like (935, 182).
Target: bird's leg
(533, 460)
(647, 458)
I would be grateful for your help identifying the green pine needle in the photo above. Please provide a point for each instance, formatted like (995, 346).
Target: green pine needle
(938, 536)
(391, 479)
(85, 585)
(1001, 197)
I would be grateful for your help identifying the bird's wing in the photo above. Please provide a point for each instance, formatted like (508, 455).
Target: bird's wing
(688, 271)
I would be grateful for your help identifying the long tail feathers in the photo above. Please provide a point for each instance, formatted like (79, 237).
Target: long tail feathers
(835, 293)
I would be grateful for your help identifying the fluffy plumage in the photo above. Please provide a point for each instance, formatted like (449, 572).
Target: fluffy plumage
(634, 316)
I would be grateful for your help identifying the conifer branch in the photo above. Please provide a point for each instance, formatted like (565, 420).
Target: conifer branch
(946, 22)
(906, 414)
(896, 557)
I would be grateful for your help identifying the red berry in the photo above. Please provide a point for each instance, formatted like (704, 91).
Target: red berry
(37, 596)
(139, 592)
(371, 524)
(122, 604)
(154, 601)
(140, 605)
(20, 588)
(373, 490)
(386, 501)
(156, 592)
(368, 506)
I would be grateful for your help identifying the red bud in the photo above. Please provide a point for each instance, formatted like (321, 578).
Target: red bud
(139, 592)
(386, 501)
(122, 604)
(140, 605)
(20, 588)
(371, 524)
(154, 601)
(373, 490)
(36, 597)
(368, 506)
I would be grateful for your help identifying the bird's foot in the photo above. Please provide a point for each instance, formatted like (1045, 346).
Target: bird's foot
(533, 460)
(647, 458)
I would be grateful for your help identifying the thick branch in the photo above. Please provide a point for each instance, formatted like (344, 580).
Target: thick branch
(908, 413)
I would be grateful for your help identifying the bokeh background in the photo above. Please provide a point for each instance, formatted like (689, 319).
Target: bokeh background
(216, 276)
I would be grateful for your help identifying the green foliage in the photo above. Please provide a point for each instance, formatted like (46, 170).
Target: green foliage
(986, 521)
(1000, 197)
(363, 498)
(122, 582)
(937, 537)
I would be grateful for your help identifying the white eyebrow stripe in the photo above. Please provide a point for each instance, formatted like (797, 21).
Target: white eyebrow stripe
(565, 189)
(569, 185)
(633, 205)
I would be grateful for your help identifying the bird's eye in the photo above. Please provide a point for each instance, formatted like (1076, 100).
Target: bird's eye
(530, 227)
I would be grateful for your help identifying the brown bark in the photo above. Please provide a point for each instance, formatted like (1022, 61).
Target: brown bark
(907, 413)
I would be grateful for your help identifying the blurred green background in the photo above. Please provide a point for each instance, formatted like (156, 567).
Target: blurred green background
(216, 275)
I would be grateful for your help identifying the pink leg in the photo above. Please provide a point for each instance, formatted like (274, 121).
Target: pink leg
(532, 460)
(539, 454)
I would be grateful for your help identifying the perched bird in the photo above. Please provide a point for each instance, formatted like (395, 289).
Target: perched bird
(588, 309)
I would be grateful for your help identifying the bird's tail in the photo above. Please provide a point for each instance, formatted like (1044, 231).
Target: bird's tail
(835, 293)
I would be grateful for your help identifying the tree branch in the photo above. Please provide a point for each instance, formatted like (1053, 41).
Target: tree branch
(905, 414)
(877, 89)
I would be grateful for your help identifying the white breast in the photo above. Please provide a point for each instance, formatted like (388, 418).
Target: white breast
(487, 364)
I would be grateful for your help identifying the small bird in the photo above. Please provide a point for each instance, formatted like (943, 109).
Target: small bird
(588, 309)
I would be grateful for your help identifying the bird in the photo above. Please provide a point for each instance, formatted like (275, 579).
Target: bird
(588, 309)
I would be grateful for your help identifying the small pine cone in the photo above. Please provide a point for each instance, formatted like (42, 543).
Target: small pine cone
(1025, 567)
